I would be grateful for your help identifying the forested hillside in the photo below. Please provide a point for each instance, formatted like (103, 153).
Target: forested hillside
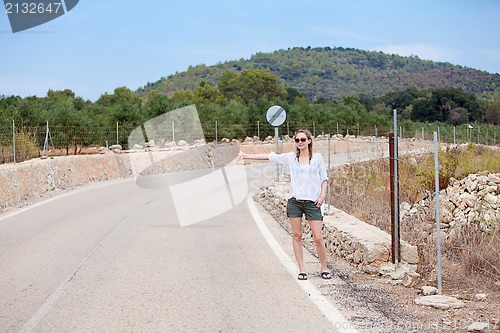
(336, 72)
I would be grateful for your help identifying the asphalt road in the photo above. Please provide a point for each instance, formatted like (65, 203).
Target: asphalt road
(116, 257)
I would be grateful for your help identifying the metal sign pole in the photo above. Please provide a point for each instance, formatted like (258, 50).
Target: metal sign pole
(277, 152)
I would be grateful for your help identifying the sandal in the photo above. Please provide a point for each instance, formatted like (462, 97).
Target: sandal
(302, 276)
(326, 275)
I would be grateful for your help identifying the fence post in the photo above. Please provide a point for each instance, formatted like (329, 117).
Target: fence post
(438, 226)
(258, 129)
(478, 129)
(337, 128)
(173, 130)
(394, 207)
(422, 134)
(216, 134)
(347, 141)
(117, 141)
(14, 138)
(358, 129)
(454, 138)
(396, 192)
(314, 129)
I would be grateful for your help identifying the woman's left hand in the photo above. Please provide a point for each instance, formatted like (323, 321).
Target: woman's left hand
(320, 200)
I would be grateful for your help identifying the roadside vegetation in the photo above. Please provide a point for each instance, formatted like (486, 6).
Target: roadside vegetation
(471, 256)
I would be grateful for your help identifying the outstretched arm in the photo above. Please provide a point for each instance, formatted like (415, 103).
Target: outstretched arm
(243, 156)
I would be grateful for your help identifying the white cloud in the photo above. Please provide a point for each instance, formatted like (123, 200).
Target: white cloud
(423, 51)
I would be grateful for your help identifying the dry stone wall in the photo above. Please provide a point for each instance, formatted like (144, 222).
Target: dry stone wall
(474, 199)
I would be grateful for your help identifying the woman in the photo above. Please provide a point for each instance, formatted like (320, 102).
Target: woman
(308, 183)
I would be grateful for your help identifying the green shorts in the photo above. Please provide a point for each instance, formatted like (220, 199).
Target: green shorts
(296, 208)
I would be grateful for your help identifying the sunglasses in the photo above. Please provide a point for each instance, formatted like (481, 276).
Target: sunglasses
(300, 140)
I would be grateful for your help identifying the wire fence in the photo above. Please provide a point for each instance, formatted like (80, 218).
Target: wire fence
(361, 187)
(20, 141)
(360, 179)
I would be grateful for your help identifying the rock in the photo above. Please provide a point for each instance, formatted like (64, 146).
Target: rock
(480, 297)
(269, 139)
(170, 144)
(200, 142)
(386, 268)
(150, 144)
(491, 199)
(225, 140)
(182, 143)
(248, 139)
(400, 272)
(409, 253)
(494, 179)
(404, 206)
(104, 150)
(477, 327)
(428, 290)
(471, 185)
(440, 302)
(407, 280)
(116, 148)
(370, 269)
(137, 147)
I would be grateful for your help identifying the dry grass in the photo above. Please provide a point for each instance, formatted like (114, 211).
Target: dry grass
(471, 257)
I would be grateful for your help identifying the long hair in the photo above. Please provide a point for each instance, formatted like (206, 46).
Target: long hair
(310, 145)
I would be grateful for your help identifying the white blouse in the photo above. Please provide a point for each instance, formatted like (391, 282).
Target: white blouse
(305, 180)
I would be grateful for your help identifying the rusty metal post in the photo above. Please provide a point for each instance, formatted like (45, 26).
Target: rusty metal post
(395, 248)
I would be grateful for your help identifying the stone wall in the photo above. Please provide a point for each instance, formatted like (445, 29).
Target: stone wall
(474, 199)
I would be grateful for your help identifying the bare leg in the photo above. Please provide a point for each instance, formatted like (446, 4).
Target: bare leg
(320, 244)
(296, 223)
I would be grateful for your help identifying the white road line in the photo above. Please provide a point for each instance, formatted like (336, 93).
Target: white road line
(333, 315)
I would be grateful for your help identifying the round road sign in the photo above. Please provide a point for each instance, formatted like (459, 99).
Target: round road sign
(276, 115)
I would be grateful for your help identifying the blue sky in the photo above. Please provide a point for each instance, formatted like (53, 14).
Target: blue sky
(101, 45)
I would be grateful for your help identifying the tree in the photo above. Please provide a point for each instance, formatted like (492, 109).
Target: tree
(120, 95)
(493, 113)
(251, 85)
(60, 94)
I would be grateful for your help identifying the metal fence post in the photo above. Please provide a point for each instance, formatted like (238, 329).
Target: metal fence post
(347, 141)
(454, 138)
(396, 192)
(438, 226)
(117, 137)
(14, 138)
(173, 131)
(258, 129)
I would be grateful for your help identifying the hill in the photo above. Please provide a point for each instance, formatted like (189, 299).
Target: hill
(336, 72)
